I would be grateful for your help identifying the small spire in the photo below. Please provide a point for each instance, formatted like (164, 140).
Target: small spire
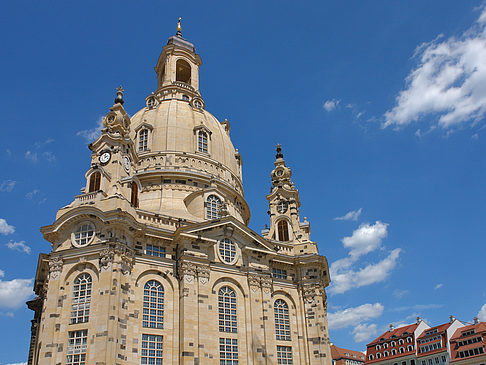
(179, 29)
(279, 151)
(119, 95)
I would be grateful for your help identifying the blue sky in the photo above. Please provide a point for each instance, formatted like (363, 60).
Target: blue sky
(379, 107)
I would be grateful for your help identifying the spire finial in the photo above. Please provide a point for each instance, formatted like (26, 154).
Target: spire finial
(179, 29)
(119, 95)
(279, 151)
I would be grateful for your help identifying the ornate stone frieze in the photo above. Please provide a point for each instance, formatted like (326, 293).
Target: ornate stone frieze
(266, 283)
(310, 292)
(55, 267)
(256, 281)
(119, 254)
(187, 271)
(203, 273)
(107, 256)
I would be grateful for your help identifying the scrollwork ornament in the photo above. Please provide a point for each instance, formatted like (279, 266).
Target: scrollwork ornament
(254, 282)
(266, 283)
(107, 256)
(187, 271)
(203, 273)
(55, 267)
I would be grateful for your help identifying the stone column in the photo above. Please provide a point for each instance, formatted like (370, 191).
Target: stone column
(257, 351)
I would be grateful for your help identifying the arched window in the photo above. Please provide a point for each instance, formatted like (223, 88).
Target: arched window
(134, 197)
(227, 310)
(143, 140)
(400, 341)
(153, 305)
(378, 347)
(283, 230)
(378, 355)
(282, 320)
(81, 298)
(401, 350)
(409, 348)
(385, 353)
(385, 345)
(202, 141)
(393, 344)
(185, 97)
(213, 203)
(183, 71)
(94, 181)
(409, 339)
(393, 352)
(370, 357)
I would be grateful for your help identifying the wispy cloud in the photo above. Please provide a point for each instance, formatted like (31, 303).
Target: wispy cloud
(447, 83)
(438, 286)
(482, 313)
(354, 315)
(7, 185)
(32, 156)
(18, 246)
(6, 228)
(398, 293)
(32, 194)
(417, 307)
(91, 134)
(49, 156)
(352, 215)
(331, 104)
(14, 293)
(363, 332)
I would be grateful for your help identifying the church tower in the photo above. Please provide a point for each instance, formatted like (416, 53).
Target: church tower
(154, 261)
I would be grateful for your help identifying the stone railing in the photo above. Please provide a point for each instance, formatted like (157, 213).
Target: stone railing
(90, 196)
(183, 85)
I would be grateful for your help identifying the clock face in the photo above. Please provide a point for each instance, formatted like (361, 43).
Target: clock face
(126, 163)
(282, 207)
(105, 157)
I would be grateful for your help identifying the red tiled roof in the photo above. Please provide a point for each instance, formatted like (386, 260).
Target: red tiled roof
(480, 328)
(440, 328)
(339, 353)
(398, 332)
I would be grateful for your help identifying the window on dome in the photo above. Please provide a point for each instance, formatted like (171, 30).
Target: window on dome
(134, 197)
(94, 182)
(213, 203)
(183, 71)
(143, 140)
(283, 230)
(185, 97)
(202, 141)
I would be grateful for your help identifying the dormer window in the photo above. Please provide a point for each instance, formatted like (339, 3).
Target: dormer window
(151, 102)
(213, 203)
(94, 182)
(185, 97)
(143, 140)
(283, 230)
(202, 141)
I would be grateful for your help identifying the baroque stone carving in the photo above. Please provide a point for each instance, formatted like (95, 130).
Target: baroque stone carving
(187, 271)
(107, 256)
(311, 291)
(55, 267)
(203, 273)
(256, 281)
(266, 282)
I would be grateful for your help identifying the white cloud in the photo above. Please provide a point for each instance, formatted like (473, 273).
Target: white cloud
(352, 215)
(14, 293)
(6, 228)
(448, 82)
(49, 156)
(91, 134)
(354, 316)
(331, 104)
(366, 238)
(7, 185)
(417, 307)
(32, 194)
(2, 273)
(438, 286)
(482, 314)
(363, 332)
(18, 246)
(29, 155)
(346, 279)
(18, 363)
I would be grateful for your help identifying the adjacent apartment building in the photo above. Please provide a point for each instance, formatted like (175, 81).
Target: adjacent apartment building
(467, 345)
(346, 357)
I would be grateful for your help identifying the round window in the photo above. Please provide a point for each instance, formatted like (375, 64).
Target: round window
(83, 235)
(227, 251)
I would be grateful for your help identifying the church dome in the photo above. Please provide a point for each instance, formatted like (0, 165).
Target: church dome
(175, 125)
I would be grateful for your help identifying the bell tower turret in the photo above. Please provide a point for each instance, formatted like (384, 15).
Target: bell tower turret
(178, 68)
(284, 204)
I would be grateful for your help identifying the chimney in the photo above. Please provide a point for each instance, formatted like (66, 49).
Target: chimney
(452, 318)
(418, 320)
(391, 327)
(476, 320)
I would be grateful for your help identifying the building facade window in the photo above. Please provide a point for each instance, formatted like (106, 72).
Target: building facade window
(409, 348)
(284, 355)
(81, 299)
(401, 342)
(152, 349)
(393, 352)
(227, 310)
(378, 355)
(279, 273)
(228, 351)
(227, 250)
(202, 141)
(83, 235)
(283, 230)
(370, 357)
(409, 339)
(154, 250)
(282, 320)
(94, 182)
(143, 140)
(401, 350)
(213, 203)
(385, 353)
(77, 347)
(153, 305)
(378, 347)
